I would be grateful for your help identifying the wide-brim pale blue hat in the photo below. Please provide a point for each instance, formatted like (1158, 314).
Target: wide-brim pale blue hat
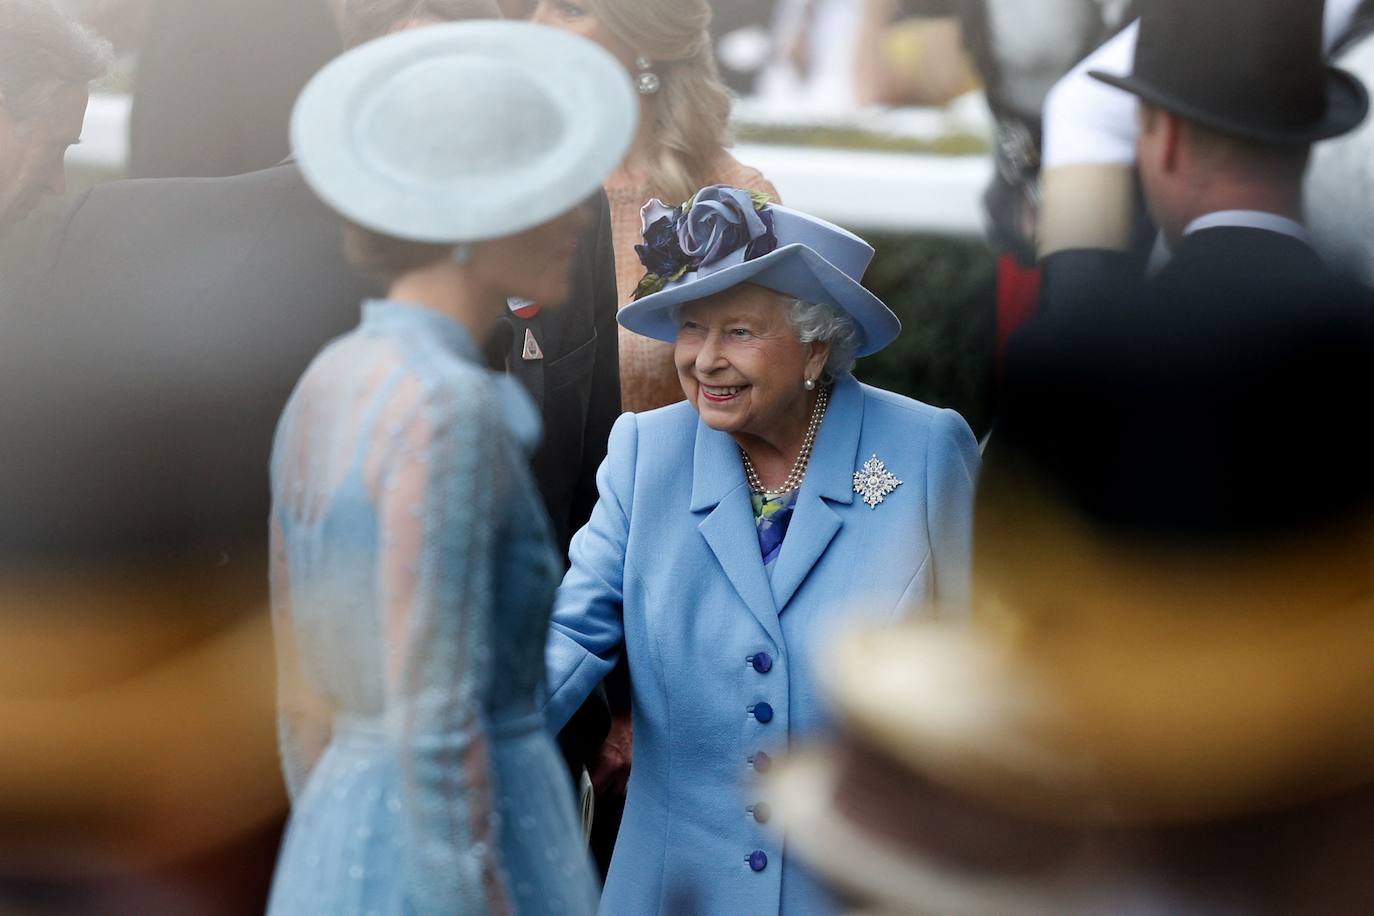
(781, 249)
(463, 131)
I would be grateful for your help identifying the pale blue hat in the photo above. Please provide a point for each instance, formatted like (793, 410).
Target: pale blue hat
(727, 236)
(463, 131)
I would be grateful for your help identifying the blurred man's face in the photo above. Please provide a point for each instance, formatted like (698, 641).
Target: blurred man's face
(33, 153)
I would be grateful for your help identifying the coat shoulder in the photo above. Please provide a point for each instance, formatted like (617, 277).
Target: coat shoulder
(891, 407)
(173, 194)
(654, 439)
(674, 421)
(908, 420)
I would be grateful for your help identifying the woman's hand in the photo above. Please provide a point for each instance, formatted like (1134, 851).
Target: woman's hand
(611, 769)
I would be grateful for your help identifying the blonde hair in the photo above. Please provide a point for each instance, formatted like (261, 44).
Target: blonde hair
(692, 111)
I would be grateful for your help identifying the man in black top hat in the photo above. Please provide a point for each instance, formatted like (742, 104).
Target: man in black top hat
(1232, 95)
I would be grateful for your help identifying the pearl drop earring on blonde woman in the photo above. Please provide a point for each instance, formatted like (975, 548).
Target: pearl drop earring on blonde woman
(647, 82)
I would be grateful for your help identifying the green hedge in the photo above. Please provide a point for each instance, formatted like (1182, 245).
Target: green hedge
(944, 292)
(857, 138)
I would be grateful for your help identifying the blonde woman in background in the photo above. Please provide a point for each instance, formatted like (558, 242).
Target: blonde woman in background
(680, 147)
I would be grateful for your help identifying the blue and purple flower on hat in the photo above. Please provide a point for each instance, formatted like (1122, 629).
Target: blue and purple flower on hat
(717, 224)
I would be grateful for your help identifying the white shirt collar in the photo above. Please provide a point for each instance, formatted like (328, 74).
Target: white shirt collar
(1250, 219)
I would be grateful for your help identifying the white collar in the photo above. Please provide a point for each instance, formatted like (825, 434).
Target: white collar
(1250, 219)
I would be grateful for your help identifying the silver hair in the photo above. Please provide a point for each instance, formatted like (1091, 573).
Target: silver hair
(43, 50)
(817, 322)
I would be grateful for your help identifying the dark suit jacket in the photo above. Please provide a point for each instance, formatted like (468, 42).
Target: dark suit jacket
(1217, 403)
(216, 82)
(1253, 268)
(1224, 264)
(240, 281)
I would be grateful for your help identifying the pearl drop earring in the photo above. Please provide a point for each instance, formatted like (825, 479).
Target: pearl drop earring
(648, 82)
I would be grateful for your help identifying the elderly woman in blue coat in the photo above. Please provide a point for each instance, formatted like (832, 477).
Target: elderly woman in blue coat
(736, 531)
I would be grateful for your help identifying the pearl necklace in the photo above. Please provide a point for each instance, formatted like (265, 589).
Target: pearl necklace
(794, 479)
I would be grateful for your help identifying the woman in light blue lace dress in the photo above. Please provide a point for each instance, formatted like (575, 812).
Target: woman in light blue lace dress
(413, 570)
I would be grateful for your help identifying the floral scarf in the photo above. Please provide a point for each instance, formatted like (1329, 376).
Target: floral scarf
(772, 517)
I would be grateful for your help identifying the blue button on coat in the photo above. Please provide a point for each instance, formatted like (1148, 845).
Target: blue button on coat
(668, 572)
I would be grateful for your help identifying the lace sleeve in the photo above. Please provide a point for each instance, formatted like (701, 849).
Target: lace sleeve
(439, 498)
(303, 717)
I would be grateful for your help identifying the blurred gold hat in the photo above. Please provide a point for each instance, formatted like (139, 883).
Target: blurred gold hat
(1150, 691)
(1010, 766)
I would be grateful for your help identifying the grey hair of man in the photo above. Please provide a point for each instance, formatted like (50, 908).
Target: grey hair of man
(42, 50)
(364, 20)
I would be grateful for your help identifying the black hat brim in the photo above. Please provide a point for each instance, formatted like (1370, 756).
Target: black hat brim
(1347, 105)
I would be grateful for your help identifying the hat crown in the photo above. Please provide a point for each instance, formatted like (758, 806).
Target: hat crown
(463, 117)
(840, 247)
(463, 131)
(1250, 67)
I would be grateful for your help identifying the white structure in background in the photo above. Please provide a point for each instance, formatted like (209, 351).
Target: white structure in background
(1340, 184)
(895, 192)
(886, 192)
(828, 30)
(105, 136)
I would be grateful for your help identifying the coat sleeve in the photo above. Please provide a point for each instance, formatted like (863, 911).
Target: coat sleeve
(587, 634)
(951, 476)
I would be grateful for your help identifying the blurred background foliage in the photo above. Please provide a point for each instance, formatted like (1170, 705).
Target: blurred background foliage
(832, 136)
(944, 291)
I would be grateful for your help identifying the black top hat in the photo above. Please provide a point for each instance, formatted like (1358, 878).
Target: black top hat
(1253, 68)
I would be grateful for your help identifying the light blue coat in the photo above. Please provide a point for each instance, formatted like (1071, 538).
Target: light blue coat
(669, 572)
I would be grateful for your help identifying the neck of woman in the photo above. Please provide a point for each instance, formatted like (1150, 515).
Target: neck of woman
(773, 452)
(451, 289)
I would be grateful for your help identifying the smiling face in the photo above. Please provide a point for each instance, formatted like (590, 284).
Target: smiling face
(576, 16)
(742, 366)
(33, 152)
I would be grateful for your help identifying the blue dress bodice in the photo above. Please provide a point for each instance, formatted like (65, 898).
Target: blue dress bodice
(413, 575)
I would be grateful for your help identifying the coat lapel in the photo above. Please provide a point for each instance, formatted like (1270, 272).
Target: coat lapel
(718, 488)
(830, 479)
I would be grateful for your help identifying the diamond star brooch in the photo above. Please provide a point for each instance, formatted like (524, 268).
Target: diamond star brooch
(874, 482)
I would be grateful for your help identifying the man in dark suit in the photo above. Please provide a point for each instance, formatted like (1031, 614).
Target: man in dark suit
(1232, 96)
